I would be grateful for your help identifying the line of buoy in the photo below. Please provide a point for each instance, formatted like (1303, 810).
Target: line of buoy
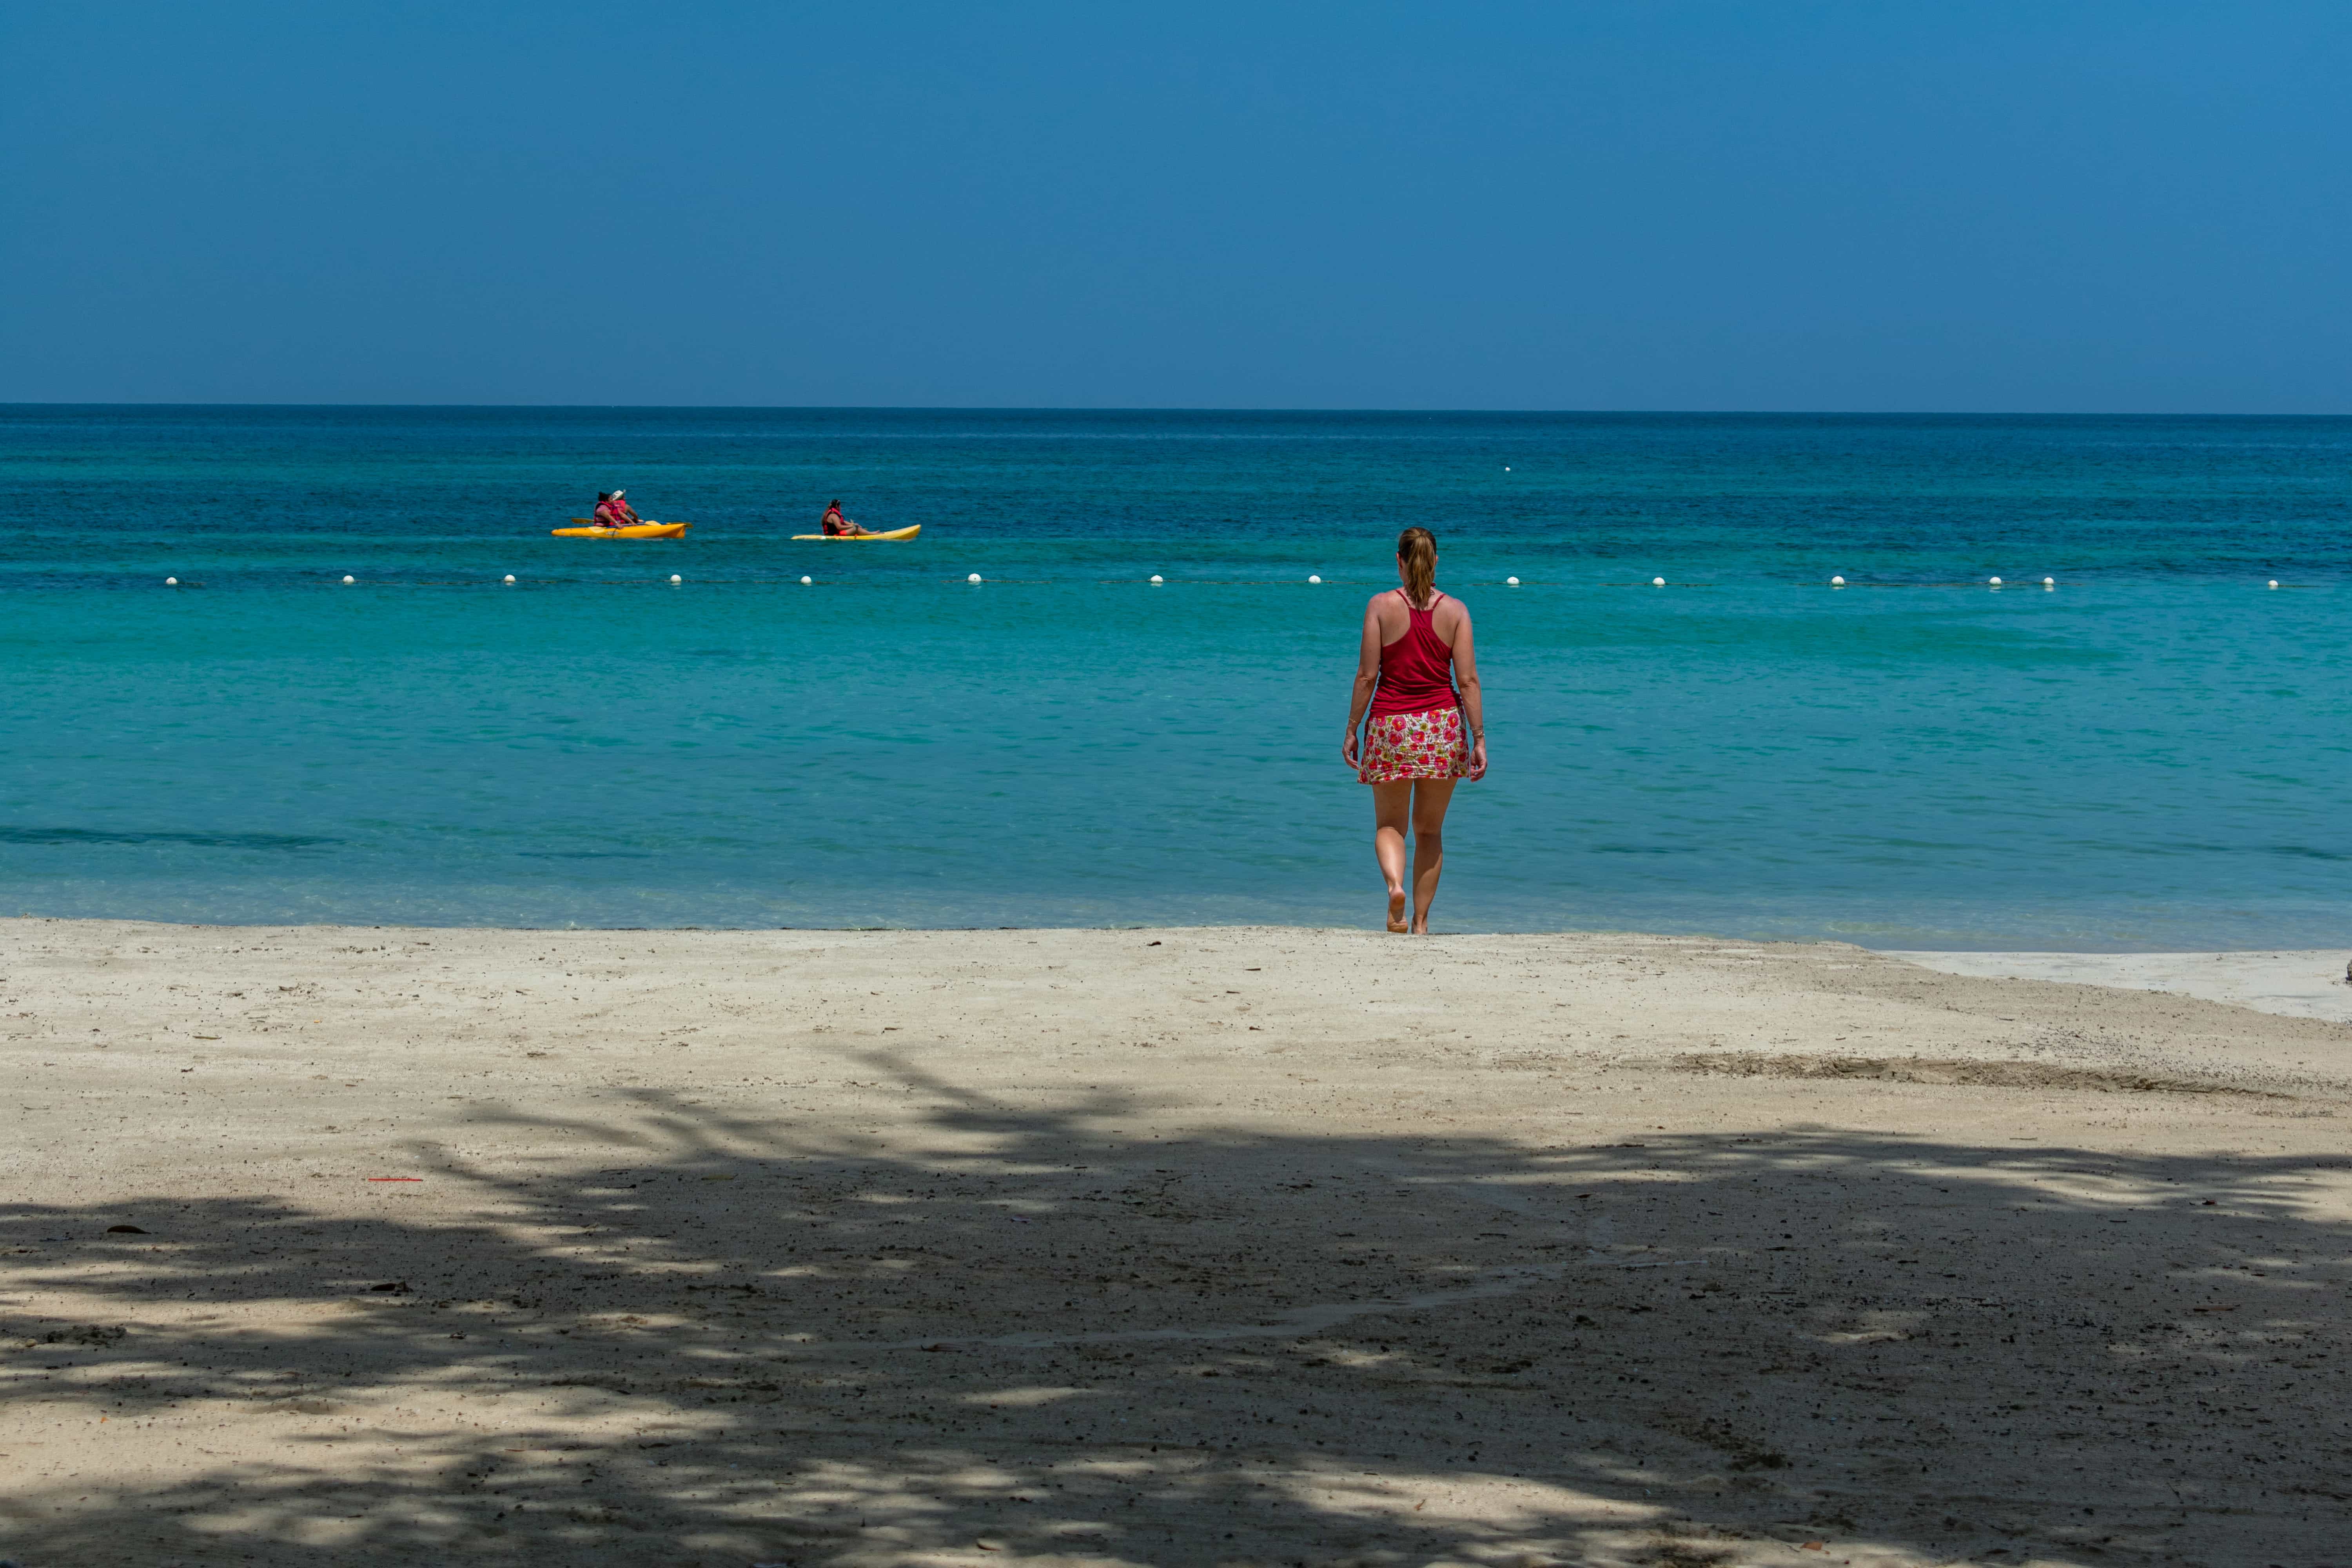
(1315, 578)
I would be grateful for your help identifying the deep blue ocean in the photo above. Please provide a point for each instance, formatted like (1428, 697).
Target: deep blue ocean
(2153, 754)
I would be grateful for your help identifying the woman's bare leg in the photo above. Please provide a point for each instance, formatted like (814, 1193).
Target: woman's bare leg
(1391, 810)
(1430, 799)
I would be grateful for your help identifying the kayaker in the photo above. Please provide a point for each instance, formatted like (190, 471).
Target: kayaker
(613, 511)
(838, 525)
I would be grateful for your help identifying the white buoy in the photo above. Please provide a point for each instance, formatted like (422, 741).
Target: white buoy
(1514, 581)
(676, 578)
(1837, 581)
(350, 579)
(2050, 582)
(1315, 579)
(806, 580)
(1156, 578)
(509, 576)
(1507, 467)
(1994, 580)
(973, 578)
(171, 582)
(1657, 582)
(2273, 582)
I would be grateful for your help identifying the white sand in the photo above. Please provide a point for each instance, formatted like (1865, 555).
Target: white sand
(1181, 1248)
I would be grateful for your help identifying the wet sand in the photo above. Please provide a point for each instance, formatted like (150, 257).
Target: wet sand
(2304, 984)
(1153, 1247)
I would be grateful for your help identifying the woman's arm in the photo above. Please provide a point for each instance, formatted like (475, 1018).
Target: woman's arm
(1367, 674)
(1474, 707)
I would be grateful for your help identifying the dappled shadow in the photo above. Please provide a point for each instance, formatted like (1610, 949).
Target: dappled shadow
(727, 1340)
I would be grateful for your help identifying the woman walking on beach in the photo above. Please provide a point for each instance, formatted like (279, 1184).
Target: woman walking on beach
(1424, 736)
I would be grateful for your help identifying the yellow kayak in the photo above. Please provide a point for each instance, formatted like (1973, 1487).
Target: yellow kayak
(643, 530)
(854, 538)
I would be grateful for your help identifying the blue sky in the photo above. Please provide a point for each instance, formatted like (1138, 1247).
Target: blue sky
(1657, 205)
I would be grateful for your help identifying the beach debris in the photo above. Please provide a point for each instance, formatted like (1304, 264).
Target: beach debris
(126, 1230)
(392, 1178)
(350, 579)
(2231, 1308)
(391, 1288)
(973, 578)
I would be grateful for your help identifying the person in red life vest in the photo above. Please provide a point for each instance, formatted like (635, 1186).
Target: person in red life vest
(839, 526)
(1424, 733)
(613, 511)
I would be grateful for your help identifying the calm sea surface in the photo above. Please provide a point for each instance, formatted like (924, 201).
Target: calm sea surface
(2154, 754)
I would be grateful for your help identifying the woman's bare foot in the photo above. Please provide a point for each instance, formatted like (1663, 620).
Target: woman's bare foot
(1396, 910)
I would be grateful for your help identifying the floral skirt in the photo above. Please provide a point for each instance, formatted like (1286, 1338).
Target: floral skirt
(1428, 745)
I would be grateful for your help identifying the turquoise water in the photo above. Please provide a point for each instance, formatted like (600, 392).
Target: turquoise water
(2153, 754)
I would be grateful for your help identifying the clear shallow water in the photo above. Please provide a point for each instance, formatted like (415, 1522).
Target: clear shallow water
(2154, 755)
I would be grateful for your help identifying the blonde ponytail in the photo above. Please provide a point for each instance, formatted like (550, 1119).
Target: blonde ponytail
(1417, 551)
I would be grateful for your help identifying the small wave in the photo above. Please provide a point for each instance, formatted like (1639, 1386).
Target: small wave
(200, 840)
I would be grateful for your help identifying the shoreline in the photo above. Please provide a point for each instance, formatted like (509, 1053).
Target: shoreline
(2304, 983)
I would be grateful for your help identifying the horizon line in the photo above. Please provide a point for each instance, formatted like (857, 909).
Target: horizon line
(1202, 408)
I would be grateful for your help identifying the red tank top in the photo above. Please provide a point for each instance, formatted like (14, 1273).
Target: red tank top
(1417, 669)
